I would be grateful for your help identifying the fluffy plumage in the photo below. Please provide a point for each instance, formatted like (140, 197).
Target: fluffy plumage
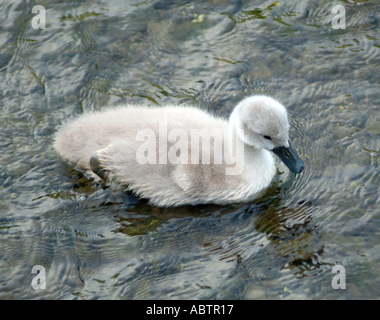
(112, 136)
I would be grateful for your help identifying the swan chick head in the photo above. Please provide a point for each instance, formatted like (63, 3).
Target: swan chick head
(262, 122)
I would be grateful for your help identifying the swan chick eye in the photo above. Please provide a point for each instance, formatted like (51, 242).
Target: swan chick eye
(268, 137)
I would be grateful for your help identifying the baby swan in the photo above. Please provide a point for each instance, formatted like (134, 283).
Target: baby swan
(181, 155)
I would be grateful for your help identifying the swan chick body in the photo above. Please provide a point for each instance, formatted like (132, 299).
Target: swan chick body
(181, 155)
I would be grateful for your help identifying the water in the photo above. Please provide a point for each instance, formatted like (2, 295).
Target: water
(101, 243)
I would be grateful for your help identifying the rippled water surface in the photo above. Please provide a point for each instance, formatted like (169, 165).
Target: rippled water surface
(101, 243)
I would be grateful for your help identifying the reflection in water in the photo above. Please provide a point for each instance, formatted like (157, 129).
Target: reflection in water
(291, 232)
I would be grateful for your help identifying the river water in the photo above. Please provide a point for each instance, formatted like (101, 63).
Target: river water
(95, 242)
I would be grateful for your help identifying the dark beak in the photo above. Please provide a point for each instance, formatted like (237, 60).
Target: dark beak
(290, 158)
